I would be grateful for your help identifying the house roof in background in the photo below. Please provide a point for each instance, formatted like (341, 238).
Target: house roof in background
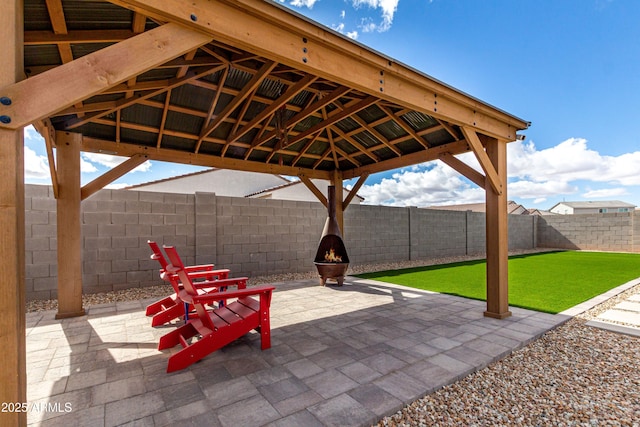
(596, 204)
(513, 208)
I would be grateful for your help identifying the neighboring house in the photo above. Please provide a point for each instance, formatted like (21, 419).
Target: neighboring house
(296, 190)
(606, 206)
(231, 183)
(513, 208)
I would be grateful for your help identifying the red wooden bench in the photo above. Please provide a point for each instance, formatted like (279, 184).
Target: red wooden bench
(172, 307)
(214, 329)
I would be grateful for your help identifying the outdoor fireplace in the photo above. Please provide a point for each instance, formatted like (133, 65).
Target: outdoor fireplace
(331, 258)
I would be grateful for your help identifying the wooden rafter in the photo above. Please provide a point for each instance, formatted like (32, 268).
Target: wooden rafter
(334, 118)
(332, 144)
(356, 144)
(292, 91)
(48, 133)
(407, 159)
(404, 125)
(308, 111)
(304, 149)
(163, 120)
(212, 107)
(74, 123)
(449, 129)
(59, 26)
(255, 81)
(96, 145)
(377, 135)
(36, 98)
(330, 57)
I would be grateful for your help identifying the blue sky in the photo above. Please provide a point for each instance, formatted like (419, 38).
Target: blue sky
(570, 67)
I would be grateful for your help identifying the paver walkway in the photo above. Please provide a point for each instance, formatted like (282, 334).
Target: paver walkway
(341, 356)
(624, 317)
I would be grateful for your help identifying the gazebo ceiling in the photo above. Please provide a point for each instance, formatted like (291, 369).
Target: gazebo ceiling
(270, 91)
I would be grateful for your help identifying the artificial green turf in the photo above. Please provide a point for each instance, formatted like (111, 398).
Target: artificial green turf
(551, 282)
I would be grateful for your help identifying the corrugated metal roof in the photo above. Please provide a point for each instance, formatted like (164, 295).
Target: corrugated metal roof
(192, 85)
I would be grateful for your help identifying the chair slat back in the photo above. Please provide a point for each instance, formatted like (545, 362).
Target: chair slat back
(177, 267)
(157, 254)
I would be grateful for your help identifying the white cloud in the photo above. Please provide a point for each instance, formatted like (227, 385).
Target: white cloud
(437, 184)
(31, 134)
(388, 8)
(87, 167)
(340, 28)
(303, 3)
(35, 166)
(352, 35)
(117, 186)
(537, 175)
(110, 161)
(605, 193)
(572, 160)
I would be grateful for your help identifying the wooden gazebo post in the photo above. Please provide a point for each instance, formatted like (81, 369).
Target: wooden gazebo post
(13, 374)
(69, 225)
(497, 235)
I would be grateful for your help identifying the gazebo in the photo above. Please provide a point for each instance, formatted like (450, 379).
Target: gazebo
(245, 85)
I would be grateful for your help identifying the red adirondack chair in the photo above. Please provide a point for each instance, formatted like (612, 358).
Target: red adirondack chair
(171, 307)
(214, 329)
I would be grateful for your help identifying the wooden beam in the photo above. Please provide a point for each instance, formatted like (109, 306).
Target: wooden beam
(407, 159)
(404, 125)
(273, 106)
(489, 170)
(377, 135)
(48, 133)
(315, 190)
(56, 16)
(173, 83)
(497, 236)
(364, 150)
(308, 111)
(353, 192)
(95, 145)
(111, 175)
(13, 371)
(69, 225)
(464, 169)
(269, 30)
(251, 85)
(334, 118)
(36, 98)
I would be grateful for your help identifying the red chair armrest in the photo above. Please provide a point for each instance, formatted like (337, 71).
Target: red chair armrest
(194, 268)
(215, 296)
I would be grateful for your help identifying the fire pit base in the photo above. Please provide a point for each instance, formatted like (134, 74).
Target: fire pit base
(331, 270)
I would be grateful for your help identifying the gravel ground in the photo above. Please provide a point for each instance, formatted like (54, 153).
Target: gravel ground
(163, 290)
(574, 375)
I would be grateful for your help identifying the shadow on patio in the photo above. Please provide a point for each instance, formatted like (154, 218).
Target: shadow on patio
(340, 356)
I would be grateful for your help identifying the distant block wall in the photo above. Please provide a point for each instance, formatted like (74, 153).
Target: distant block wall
(602, 232)
(250, 236)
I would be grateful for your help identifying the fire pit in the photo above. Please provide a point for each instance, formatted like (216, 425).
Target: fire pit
(331, 258)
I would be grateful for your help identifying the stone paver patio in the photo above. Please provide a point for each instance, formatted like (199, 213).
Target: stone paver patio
(342, 356)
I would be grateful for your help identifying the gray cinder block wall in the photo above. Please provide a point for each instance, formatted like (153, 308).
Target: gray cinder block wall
(602, 232)
(257, 237)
